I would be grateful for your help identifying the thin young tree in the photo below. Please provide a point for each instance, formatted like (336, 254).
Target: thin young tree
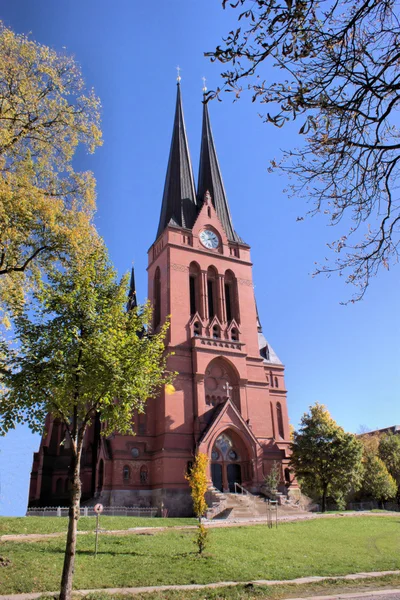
(45, 115)
(197, 478)
(81, 353)
(334, 68)
(324, 457)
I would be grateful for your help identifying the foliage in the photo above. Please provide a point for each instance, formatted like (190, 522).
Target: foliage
(273, 477)
(389, 452)
(334, 68)
(377, 480)
(324, 457)
(197, 478)
(80, 353)
(350, 545)
(45, 205)
(201, 538)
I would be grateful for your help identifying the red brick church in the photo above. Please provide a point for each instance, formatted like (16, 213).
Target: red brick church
(230, 398)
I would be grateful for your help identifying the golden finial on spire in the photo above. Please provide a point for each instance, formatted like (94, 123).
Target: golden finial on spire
(178, 70)
(204, 85)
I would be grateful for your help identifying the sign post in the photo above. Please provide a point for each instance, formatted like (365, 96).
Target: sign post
(98, 509)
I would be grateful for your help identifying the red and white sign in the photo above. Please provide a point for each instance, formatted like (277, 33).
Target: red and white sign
(98, 508)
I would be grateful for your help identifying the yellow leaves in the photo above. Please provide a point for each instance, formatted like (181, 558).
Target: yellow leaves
(45, 207)
(197, 479)
(169, 389)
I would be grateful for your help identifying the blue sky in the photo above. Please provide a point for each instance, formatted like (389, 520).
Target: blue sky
(346, 357)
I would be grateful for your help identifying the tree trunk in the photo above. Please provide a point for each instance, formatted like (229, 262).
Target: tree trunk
(324, 492)
(73, 516)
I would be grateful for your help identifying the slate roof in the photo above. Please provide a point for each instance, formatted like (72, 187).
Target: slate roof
(132, 301)
(210, 178)
(179, 204)
(266, 351)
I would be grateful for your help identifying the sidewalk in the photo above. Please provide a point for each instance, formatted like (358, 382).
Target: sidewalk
(34, 537)
(221, 584)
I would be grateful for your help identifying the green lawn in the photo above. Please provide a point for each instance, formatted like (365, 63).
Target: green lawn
(321, 547)
(10, 525)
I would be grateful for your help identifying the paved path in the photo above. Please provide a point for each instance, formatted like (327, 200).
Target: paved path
(221, 584)
(375, 595)
(301, 516)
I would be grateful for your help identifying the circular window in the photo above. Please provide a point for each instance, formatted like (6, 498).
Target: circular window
(135, 452)
(232, 455)
(214, 455)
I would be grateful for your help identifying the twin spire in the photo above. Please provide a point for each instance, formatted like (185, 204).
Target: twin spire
(180, 205)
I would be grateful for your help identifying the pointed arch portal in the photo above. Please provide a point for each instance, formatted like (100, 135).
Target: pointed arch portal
(230, 462)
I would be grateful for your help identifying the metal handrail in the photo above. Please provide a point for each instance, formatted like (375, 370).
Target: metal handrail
(244, 491)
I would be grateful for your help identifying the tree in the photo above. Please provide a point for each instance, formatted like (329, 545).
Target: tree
(324, 457)
(81, 353)
(197, 478)
(377, 481)
(337, 71)
(389, 452)
(45, 205)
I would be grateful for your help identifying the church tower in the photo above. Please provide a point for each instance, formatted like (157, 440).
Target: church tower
(230, 397)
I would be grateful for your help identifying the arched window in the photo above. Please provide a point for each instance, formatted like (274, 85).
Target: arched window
(280, 419)
(59, 486)
(126, 473)
(142, 423)
(216, 332)
(234, 334)
(212, 292)
(230, 286)
(287, 476)
(157, 298)
(196, 328)
(100, 476)
(194, 288)
(276, 382)
(144, 474)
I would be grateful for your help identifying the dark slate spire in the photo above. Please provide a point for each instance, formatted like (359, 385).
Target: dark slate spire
(179, 205)
(210, 178)
(132, 302)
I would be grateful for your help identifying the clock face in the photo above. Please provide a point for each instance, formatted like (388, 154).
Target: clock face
(209, 239)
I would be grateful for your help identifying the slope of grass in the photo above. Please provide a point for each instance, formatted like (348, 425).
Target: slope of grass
(323, 547)
(16, 525)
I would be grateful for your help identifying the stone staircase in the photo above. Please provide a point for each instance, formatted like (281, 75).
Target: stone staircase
(244, 506)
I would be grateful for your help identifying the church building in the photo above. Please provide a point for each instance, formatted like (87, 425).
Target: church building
(230, 396)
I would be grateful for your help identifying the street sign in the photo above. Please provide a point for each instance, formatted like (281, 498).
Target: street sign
(98, 508)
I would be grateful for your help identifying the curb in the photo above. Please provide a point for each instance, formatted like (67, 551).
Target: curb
(221, 584)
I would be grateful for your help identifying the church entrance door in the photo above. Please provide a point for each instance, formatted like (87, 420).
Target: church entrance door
(234, 473)
(216, 473)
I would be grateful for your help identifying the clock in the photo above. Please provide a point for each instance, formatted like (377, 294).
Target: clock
(209, 239)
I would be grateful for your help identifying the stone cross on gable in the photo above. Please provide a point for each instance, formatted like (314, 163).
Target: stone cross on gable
(228, 389)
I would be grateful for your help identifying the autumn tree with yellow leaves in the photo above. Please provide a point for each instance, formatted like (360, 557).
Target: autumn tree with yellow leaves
(197, 478)
(46, 206)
